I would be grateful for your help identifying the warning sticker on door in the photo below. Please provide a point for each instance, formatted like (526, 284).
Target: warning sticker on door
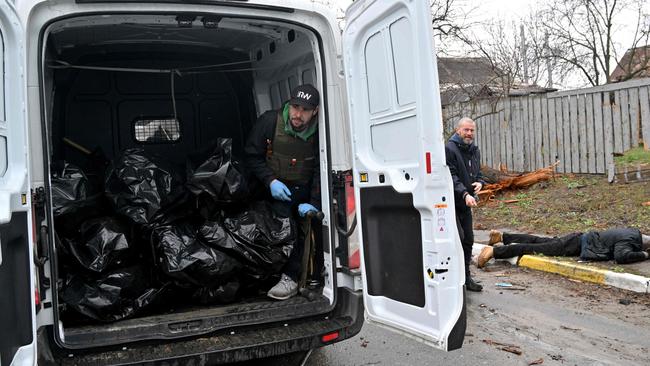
(440, 215)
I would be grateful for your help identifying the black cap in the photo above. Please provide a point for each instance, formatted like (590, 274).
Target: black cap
(305, 95)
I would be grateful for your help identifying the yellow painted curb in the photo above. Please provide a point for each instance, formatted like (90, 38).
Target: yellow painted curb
(575, 271)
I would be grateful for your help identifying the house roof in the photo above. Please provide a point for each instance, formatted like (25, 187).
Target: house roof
(634, 64)
(456, 94)
(467, 78)
(466, 71)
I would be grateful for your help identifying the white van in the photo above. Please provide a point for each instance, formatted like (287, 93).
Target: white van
(96, 73)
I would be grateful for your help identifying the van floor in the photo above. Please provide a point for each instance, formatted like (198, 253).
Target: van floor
(197, 320)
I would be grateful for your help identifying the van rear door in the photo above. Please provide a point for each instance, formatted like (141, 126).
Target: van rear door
(411, 256)
(17, 310)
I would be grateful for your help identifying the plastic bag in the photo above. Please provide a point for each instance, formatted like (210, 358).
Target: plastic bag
(221, 294)
(69, 185)
(68, 222)
(257, 236)
(219, 176)
(112, 296)
(101, 243)
(136, 187)
(186, 259)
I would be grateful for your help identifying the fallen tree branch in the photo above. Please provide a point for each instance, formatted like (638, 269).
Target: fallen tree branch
(516, 182)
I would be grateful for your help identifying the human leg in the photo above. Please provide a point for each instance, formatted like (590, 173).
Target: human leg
(568, 245)
(509, 238)
(288, 284)
(464, 223)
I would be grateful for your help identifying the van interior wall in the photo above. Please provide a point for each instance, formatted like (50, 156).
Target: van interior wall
(278, 72)
(98, 109)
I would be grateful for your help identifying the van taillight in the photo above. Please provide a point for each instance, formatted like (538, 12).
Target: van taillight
(37, 300)
(329, 337)
(345, 220)
(354, 258)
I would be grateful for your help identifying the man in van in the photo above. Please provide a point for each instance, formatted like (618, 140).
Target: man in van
(282, 152)
(463, 160)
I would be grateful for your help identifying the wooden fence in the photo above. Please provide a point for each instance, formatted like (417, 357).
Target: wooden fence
(581, 129)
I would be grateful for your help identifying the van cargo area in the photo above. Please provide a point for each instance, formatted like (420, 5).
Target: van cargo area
(158, 231)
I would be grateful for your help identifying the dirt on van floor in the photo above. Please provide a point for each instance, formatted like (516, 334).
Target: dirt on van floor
(568, 203)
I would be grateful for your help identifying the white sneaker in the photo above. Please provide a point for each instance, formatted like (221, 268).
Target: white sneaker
(284, 289)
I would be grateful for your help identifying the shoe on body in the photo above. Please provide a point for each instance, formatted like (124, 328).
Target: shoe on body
(284, 289)
(495, 237)
(486, 254)
(471, 285)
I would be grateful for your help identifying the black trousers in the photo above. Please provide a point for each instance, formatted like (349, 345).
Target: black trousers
(466, 233)
(299, 194)
(565, 246)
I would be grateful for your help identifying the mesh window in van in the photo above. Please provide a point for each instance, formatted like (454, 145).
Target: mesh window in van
(157, 130)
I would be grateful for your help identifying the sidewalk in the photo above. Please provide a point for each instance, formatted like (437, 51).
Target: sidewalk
(633, 277)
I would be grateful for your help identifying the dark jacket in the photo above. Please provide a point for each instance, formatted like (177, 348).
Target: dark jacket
(623, 245)
(255, 154)
(464, 162)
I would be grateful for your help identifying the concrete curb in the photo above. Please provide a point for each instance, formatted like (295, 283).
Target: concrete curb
(626, 281)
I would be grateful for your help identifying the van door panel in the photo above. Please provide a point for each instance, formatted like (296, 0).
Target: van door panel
(15, 285)
(17, 309)
(393, 271)
(411, 255)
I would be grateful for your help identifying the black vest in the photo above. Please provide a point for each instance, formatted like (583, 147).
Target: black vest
(292, 159)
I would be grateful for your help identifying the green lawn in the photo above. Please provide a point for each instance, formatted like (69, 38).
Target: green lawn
(634, 156)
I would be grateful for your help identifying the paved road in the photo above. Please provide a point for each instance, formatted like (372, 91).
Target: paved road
(559, 321)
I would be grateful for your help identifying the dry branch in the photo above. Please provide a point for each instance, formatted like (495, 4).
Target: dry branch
(523, 180)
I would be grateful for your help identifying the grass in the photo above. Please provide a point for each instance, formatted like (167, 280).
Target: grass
(568, 203)
(637, 155)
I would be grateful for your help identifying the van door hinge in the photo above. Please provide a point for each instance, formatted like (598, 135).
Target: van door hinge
(42, 253)
(38, 199)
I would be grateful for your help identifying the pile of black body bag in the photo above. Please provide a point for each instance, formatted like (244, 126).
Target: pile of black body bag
(145, 237)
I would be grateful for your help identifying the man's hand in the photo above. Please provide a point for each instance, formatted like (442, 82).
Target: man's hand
(279, 191)
(470, 201)
(305, 208)
(477, 187)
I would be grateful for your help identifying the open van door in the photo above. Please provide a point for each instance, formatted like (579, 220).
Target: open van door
(412, 260)
(17, 309)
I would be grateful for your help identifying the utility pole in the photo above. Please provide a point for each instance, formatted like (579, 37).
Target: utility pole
(549, 69)
(524, 60)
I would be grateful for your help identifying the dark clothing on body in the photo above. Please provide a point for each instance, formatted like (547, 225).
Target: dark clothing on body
(565, 246)
(464, 165)
(622, 245)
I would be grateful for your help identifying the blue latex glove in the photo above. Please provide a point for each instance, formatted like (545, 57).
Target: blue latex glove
(279, 191)
(304, 208)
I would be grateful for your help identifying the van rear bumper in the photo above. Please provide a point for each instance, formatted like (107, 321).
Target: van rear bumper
(237, 344)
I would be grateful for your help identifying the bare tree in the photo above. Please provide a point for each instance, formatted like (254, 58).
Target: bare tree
(516, 51)
(448, 18)
(582, 34)
(636, 61)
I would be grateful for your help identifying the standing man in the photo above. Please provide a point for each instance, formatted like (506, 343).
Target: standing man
(463, 160)
(282, 152)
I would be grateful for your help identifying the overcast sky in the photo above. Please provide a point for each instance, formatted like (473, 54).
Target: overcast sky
(512, 11)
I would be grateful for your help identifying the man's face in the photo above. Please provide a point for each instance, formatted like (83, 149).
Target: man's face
(466, 132)
(300, 116)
